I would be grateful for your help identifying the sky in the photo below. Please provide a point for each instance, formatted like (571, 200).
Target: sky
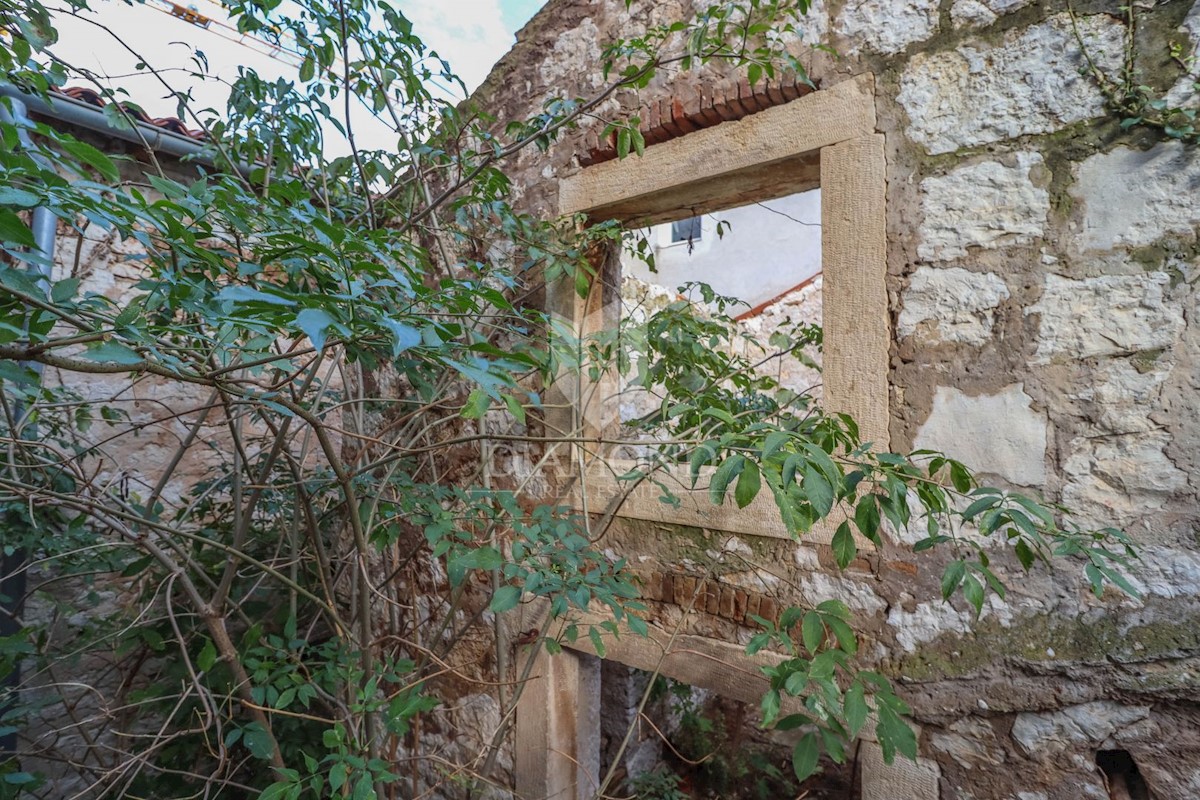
(471, 34)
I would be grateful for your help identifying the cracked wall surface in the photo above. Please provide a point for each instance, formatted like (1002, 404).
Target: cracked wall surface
(1042, 278)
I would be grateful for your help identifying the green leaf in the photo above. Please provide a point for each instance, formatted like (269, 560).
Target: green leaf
(515, 408)
(812, 631)
(973, 591)
(866, 517)
(774, 442)
(112, 352)
(64, 290)
(1024, 554)
(257, 741)
(952, 577)
(729, 469)
(477, 405)
(244, 294)
(12, 196)
(748, 485)
(770, 707)
(403, 336)
(597, 641)
(505, 598)
(805, 756)
(207, 657)
(92, 157)
(14, 231)
(844, 547)
(855, 708)
(624, 141)
(313, 322)
(959, 477)
(818, 491)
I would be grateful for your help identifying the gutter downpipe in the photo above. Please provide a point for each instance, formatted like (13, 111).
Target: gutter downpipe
(13, 578)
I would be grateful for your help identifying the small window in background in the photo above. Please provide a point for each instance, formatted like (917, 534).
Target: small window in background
(686, 230)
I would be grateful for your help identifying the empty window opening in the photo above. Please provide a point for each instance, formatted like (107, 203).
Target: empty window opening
(1122, 777)
(756, 269)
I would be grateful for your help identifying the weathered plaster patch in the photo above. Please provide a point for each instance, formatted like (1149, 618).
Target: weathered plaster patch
(1157, 190)
(1104, 316)
(1116, 480)
(929, 621)
(857, 596)
(887, 26)
(1044, 735)
(998, 432)
(951, 305)
(985, 205)
(1030, 83)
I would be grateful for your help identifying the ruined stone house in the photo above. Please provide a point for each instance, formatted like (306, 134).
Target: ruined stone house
(1009, 276)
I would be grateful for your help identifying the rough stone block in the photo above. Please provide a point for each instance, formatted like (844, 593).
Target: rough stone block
(1105, 316)
(1001, 431)
(951, 305)
(1157, 191)
(978, 13)
(1044, 735)
(1116, 480)
(887, 26)
(985, 205)
(1028, 83)
(1118, 397)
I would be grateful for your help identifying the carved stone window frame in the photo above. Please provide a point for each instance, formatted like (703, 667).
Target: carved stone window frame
(824, 139)
(827, 139)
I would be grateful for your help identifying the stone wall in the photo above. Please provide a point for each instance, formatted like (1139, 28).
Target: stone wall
(1042, 263)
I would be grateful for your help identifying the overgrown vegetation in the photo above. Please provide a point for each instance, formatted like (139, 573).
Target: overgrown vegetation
(1129, 96)
(274, 496)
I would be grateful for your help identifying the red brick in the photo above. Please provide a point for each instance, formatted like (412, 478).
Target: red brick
(725, 105)
(680, 118)
(708, 106)
(748, 97)
(665, 118)
(767, 609)
(740, 599)
(712, 597)
(685, 589)
(787, 85)
(774, 94)
(752, 601)
(727, 593)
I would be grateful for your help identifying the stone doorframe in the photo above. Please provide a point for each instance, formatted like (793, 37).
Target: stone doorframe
(826, 139)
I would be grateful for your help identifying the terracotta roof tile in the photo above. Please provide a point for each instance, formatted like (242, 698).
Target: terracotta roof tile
(172, 124)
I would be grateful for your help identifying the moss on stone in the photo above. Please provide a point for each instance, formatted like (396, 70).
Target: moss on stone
(1048, 639)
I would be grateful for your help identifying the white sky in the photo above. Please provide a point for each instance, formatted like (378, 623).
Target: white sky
(471, 34)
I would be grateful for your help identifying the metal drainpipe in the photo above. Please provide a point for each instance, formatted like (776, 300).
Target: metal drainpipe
(12, 566)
